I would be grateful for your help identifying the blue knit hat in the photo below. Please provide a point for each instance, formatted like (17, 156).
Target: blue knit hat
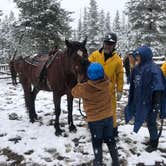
(95, 71)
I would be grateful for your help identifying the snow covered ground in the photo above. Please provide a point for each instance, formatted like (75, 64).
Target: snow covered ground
(23, 143)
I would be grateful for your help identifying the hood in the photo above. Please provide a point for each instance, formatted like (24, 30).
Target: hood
(100, 84)
(145, 53)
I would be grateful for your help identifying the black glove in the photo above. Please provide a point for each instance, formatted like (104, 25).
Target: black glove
(156, 101)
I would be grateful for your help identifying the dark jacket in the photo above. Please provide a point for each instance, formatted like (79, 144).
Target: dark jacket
(146, 79)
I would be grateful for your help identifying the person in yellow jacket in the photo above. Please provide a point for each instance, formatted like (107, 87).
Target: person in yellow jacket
(163, 68)
(113, 67)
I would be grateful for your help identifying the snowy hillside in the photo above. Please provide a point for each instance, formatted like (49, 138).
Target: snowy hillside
(23, 143)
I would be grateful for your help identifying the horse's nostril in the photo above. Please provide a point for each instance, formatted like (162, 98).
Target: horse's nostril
(76, 67)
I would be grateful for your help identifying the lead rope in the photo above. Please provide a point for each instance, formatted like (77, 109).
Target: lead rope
(79, 108)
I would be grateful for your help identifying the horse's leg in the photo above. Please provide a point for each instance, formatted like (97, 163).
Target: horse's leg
(15, 79)
(28, 99)
(72, 127)
(57, 100)
(34, 94)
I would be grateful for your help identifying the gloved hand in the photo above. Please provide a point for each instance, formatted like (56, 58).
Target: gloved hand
(119, 95)
(156, 101)
(156, 107)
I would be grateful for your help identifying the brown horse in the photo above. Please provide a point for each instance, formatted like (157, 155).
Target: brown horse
(62, 75)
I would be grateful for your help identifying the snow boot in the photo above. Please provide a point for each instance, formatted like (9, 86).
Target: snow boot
(98, 156)
(147, 143)
(115, 132)
(97, 163)
(152, 146)
(113, 152)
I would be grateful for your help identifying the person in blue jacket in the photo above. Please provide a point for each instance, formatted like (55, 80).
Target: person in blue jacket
(147, 95)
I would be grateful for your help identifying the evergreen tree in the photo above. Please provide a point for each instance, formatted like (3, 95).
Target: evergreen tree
(7, 40)
(44, 21)
(123, 36)
(74, 35)
(107, 23)
(1, 14)
(147, 18)
(93, 30)
(116, 23)
(80, 28)
(117, 29)
(85, 24)
(102, 25)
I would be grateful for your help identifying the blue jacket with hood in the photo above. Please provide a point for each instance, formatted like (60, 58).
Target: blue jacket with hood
(146, 78)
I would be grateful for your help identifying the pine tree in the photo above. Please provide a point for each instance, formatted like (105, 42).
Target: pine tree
(147, 19)
(8, 40)
(44, 21)
(107, 23)
(117, 29)
(1, 13)
(79, 28)
(102, 25)
(123, 36)
(74, 35)
(85, 24)
(116, 23)
(93, 30)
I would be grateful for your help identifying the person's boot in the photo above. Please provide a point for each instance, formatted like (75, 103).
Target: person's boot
(98, 156)
(114, 153)
(97, 163)
(152, 146)
(115, 131)
(147, 142)
(115, 134)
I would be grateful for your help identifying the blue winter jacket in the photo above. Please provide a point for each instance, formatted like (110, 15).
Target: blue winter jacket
(146, 78)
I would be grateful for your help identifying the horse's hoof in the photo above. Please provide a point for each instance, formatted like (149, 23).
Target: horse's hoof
(59, 132)
(72, 129)
(36, 117)
(32, 120)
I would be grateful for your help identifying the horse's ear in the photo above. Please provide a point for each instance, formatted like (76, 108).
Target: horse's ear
(68, 44)
(85, 40)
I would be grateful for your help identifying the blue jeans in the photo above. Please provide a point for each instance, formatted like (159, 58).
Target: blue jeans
(102, 131)
(152, 125)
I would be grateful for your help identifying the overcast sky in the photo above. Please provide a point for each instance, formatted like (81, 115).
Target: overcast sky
(74, 5)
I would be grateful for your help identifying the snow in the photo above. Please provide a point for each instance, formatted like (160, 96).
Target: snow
(37, 144)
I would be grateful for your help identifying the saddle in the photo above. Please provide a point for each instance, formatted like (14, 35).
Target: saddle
(40, 64)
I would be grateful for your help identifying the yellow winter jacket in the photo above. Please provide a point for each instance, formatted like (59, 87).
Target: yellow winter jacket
(163, 68)
(113, 68)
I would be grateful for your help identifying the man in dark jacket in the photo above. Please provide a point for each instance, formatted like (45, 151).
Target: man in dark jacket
(147, 95)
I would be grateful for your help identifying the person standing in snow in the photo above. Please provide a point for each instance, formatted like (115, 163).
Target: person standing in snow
(113, 67)
(163, 68)
(126, 64)
(97, 105)
(147, 95)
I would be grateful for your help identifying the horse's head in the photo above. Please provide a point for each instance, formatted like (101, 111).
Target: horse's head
(78, 55)
(18, 64)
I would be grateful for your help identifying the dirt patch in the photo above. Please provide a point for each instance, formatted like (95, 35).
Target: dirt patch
(15, 158)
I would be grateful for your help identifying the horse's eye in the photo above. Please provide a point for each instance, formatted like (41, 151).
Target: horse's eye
(80, 53)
